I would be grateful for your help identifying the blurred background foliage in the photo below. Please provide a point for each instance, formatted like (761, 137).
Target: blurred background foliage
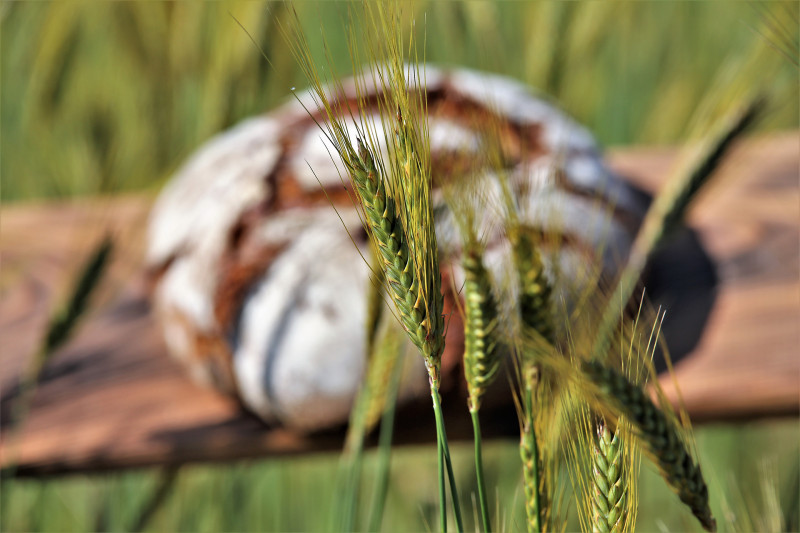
(102, 97)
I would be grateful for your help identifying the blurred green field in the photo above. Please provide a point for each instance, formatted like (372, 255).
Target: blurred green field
(102, 97)
(297, 494)
(108, 97)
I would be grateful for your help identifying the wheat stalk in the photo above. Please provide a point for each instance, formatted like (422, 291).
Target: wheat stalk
(536, 318)
(382, 353)
(660, 437)
(395, 196)
(481, 348)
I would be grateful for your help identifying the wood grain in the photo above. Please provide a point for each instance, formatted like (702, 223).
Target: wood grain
(113, 399)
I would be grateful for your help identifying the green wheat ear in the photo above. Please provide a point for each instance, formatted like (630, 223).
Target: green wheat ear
(534, 287)
(481, 349)
(609, 495)
(480, 312)
(371, 397)
(416, 295)
(660, 437)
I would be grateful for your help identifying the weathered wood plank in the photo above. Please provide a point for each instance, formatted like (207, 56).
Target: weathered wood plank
(112, 398)
(748, 360)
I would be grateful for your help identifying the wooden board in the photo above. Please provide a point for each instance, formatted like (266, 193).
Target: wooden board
(113, 399)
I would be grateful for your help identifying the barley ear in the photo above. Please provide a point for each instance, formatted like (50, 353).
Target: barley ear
(609, 494)
(660, 437)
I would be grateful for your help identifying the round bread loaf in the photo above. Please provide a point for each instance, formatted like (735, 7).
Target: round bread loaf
(258, 285)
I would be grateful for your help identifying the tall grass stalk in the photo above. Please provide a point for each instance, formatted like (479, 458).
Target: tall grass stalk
(385, 450)
(368, 401)
(63, 323)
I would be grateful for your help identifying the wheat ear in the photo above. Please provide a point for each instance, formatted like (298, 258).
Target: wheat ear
(61, 326)
(535, 290)
(394, 194)
(481, 349)
(401, 226)
(369, 403)
(609, 494)
(420, 315)
(660, 436)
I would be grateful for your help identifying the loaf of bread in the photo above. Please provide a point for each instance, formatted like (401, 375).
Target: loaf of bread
(257, 252)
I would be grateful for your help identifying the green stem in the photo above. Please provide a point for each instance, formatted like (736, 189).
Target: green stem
(385, 450)
(476, 428)
(352, 461)
(441, 438)
(352, 486)
(440, 476)
(452, 479)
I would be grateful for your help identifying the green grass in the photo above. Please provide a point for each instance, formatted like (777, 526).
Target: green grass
(279, 494)
(103, 97)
